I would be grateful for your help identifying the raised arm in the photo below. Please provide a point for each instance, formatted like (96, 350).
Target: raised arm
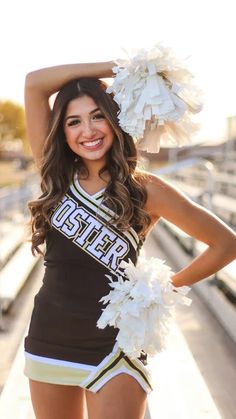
(41, 84)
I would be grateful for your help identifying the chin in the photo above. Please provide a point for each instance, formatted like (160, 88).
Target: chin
(94, 156)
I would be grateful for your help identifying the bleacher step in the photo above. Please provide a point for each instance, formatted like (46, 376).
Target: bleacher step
(15, 273)
(222, 308)
(10, 241)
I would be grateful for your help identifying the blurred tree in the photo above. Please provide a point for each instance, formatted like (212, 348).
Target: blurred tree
(12, 127)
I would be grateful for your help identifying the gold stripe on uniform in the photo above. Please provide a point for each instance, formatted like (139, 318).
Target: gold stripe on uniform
(86, 376)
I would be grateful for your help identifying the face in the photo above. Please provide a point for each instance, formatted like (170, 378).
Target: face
(87, 131)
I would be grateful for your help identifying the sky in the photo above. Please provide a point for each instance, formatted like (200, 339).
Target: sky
(36, 34)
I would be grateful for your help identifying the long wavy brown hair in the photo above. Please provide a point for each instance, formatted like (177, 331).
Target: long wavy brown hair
(125, 193)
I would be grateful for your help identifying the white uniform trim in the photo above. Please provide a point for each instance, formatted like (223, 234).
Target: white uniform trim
(104, 212)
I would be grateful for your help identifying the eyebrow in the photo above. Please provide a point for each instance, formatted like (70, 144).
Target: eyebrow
(77, 116)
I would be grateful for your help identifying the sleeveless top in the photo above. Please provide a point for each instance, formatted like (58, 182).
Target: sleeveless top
(81, 251)
(80, 236)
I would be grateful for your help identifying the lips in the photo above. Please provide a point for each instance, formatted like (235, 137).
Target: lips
(91, 145)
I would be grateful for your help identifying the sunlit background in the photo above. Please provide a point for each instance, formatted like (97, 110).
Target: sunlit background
(42, 33)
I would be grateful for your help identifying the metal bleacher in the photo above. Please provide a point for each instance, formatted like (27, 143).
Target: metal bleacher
(199, 179)
(16, 259)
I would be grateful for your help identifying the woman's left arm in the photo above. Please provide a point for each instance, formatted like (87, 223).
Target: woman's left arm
(167, 201)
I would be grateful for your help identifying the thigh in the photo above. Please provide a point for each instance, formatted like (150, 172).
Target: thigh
(52, 401)
(121, 397)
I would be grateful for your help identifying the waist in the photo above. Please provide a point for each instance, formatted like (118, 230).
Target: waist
(75, 283)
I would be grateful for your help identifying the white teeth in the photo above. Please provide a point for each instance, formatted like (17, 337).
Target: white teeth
(92, 143)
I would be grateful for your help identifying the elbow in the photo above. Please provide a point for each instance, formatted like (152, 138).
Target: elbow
(33, 80)
(228, 248)
(232, 247)
(30, 80)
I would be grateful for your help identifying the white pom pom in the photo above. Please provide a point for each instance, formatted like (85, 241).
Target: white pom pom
(156, 97)
(142, 307)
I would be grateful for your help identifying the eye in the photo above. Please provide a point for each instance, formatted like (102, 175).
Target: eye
(73, 122)
(99, 116)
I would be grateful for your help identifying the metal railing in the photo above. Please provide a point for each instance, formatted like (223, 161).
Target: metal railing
(14, 198)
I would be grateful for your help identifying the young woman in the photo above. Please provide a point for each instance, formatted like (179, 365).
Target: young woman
(95, 210)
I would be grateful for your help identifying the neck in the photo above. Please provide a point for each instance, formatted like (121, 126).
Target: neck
(93, 167)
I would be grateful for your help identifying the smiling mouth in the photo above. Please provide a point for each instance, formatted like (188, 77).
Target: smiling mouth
(92, 144)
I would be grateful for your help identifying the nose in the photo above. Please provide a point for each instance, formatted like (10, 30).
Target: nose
(88, 130)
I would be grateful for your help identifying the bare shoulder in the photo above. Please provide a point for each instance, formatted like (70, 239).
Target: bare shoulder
(161, 194)
(153, 182)
(165, 200)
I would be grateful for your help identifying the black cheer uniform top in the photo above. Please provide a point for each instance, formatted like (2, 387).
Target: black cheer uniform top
(80, 251)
